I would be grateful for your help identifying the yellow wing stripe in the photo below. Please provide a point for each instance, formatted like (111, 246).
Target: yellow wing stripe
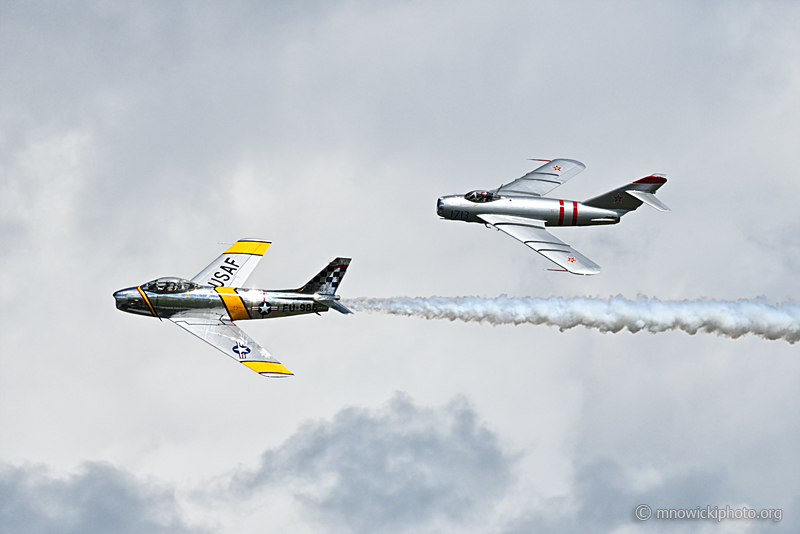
(256, 248)
(233, 303)
(268, 367)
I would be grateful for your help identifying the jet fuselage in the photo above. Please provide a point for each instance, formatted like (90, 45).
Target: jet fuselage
(553, 211)
(235, 303)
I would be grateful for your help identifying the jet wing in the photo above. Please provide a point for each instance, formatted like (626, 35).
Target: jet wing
(533, 233)
(541, 181)
(230, 339)
(234, 266)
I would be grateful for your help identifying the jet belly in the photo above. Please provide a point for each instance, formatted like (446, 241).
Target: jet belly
(540, 209)
(557, 212)
(267, 304)
(554, 212)
(204, 299)
(591, 216)
(235, 304)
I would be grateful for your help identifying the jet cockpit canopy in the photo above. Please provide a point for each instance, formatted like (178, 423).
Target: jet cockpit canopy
(169, 284)
(481, 196)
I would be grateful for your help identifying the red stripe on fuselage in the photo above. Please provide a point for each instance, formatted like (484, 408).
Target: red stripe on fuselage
(561, 213)
(574, 213)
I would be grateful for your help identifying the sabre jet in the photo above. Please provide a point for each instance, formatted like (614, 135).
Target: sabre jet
(520, 210)
(208, 304)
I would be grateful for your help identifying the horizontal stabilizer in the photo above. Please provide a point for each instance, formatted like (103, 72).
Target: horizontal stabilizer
(336, 305)
(649, 199)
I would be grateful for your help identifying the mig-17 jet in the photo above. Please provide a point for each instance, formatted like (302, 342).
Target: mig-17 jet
(208, 304)
(520, 210)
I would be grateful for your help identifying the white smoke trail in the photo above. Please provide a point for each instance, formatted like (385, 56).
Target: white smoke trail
(726, 318)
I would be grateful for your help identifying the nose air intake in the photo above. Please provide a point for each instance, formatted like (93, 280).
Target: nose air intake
(131, 301)
(121, 298)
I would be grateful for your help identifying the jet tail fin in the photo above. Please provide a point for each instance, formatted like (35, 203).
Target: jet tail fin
(631, 196)
(328, 279)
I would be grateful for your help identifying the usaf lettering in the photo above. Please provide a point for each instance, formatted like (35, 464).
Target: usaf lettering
(229, 267)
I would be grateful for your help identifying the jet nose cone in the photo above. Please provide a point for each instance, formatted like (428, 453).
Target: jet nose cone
(439, 205)
(123, 297)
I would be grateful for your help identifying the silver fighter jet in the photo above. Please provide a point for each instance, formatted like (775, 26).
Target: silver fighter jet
(519, 210)
(207, 305)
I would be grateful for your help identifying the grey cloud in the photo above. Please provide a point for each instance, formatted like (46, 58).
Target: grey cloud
(99, 499)
(400, 467)
(603, 499)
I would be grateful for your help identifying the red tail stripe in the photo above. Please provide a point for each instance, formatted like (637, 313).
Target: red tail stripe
(651, 180)
(574, 213)
(561, 213)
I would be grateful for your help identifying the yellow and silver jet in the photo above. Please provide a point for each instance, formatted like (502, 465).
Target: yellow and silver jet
(208, 304)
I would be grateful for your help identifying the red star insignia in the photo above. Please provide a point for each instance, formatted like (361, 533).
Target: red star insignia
(571, 260)
(556, 168)
(617, 198)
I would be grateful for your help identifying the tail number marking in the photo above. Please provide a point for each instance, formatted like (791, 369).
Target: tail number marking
(311, 307)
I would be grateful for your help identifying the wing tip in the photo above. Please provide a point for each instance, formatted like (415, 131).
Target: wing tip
(255, 247)
(574, 161)
(269, 369)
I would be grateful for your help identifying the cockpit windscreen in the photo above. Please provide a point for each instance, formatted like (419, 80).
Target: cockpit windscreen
(169, 285)
(481, 196)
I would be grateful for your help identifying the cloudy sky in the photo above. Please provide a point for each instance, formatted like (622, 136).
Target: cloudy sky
(135, 138)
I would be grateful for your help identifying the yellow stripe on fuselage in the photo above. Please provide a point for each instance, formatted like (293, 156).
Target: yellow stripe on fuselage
(256, 248)
(233, 303)
(147, 301)
(268, 367)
